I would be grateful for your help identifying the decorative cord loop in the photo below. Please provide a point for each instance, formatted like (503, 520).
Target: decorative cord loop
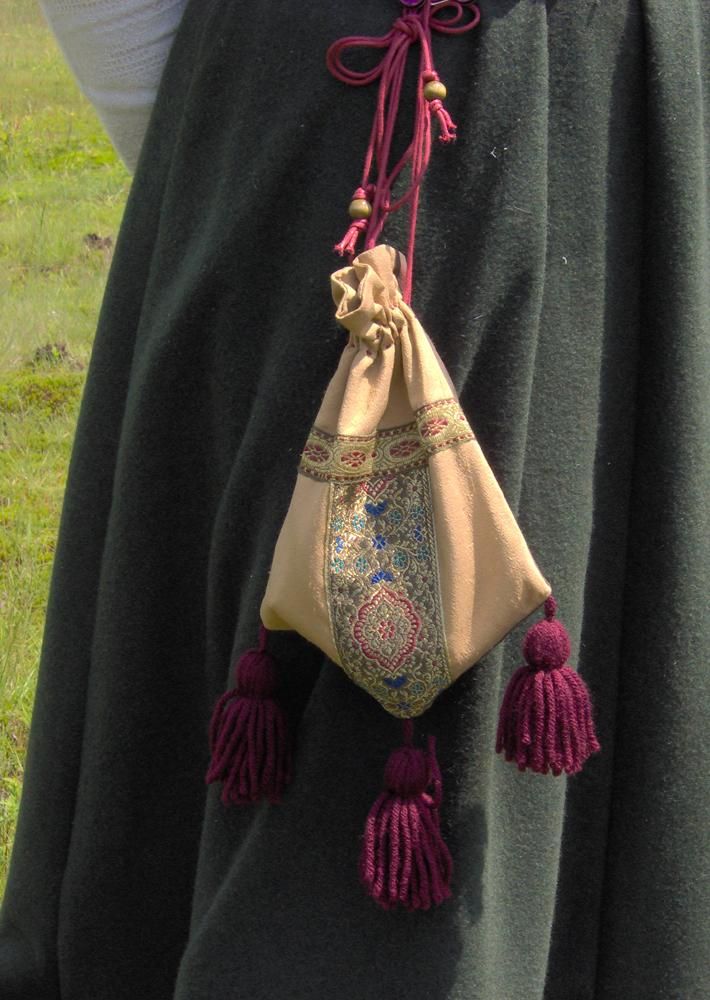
(412, 27)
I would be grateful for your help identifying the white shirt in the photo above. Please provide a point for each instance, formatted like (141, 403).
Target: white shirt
(117, 50)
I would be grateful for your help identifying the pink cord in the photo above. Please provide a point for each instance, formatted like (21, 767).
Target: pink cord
(414, 25)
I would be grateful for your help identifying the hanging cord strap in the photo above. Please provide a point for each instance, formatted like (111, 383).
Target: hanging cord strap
(371, 202)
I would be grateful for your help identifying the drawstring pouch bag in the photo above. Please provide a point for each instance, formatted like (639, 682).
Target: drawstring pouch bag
(399, 556)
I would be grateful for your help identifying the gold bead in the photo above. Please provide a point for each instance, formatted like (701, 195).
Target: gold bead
(434, 90)
(360, 208)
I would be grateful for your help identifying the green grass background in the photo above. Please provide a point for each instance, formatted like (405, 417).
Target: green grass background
(61, 185)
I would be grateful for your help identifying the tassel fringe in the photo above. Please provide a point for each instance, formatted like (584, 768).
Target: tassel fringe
(248, 734)
(347, 245)
(446, 125)
(404, 860)
(545, 721)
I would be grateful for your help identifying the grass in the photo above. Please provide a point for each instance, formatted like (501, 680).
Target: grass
(62, 193)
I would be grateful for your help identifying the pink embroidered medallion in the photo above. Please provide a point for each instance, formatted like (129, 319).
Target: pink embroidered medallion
(387, 628)
(382, 588)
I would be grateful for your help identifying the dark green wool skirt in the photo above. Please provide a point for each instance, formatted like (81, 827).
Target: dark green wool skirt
(562, 272)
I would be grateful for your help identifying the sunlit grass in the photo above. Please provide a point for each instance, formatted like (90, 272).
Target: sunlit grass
(61, 186)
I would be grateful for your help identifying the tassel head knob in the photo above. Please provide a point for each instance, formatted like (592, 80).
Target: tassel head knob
(546, 645)
(256, 675)
(407, 772)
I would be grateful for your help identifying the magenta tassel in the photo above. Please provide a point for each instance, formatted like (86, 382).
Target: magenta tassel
(349, 241)
(404, 860)
(248, 735)
(446, 125)
(545, 721)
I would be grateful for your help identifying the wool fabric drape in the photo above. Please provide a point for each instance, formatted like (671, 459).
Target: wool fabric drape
(565, 287)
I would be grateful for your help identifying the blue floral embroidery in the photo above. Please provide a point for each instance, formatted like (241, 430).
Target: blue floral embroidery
(380, 549)
(361, 564)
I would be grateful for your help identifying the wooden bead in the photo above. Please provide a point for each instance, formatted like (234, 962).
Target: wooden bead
(360, 209)
(434, 90)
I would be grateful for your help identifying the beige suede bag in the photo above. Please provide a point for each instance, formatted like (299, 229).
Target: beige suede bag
(399, 556)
